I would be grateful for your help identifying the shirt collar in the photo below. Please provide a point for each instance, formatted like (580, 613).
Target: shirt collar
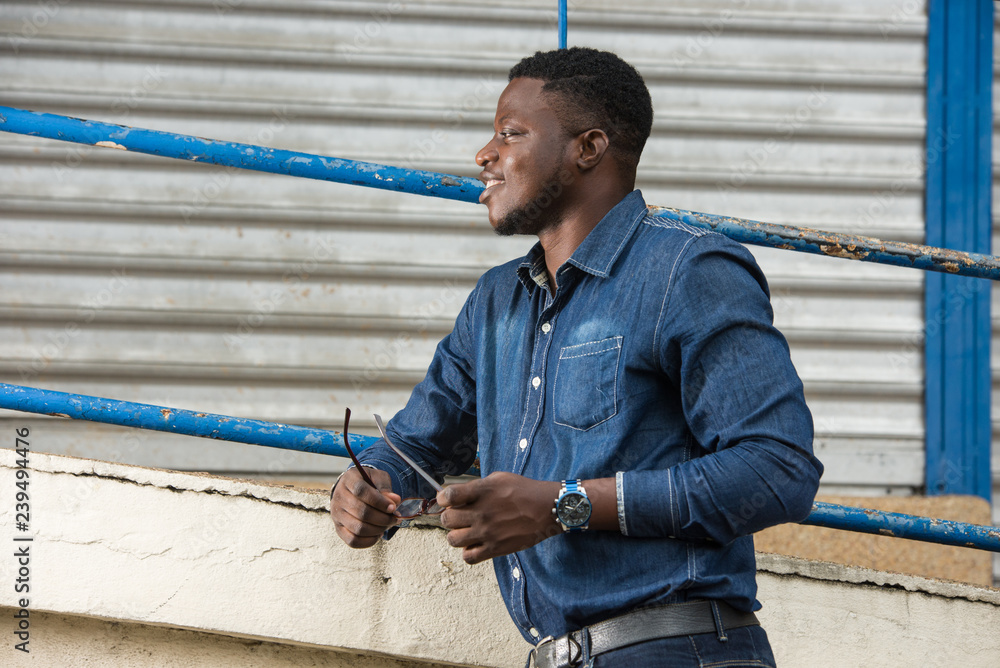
(598, 252)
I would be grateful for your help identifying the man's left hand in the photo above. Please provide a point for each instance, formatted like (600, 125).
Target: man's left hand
(499, 514)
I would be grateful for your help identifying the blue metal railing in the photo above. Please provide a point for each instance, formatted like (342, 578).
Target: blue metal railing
(242, 156)
(465, 189)
(304, 439)
(242, 430)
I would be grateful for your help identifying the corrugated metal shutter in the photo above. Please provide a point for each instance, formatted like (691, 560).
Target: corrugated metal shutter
(283, 299)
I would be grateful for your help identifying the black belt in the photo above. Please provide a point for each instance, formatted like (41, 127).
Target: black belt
(665, 621)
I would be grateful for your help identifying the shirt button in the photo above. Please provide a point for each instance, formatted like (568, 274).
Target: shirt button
(546, 328)
(523, 443)
(516, 573)
(535, 382)
(533, 631)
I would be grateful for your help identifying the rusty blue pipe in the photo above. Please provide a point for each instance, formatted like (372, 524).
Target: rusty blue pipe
(465, 189)
(837, 244)
(242, 156)
(898, 525)
(303, 439)
(178, 421)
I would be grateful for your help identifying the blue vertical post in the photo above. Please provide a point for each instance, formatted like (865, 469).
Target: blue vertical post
(957, 309)
(563, 20)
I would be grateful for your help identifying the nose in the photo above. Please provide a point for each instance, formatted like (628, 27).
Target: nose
(487, 154)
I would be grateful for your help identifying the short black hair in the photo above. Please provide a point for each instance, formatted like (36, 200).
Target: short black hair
(595, 89)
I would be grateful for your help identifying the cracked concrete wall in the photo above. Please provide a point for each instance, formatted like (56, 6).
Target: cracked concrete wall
(234, 559)
(241, 558)
(88, 642)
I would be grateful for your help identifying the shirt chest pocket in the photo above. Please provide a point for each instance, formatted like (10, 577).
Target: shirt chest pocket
(586, 385)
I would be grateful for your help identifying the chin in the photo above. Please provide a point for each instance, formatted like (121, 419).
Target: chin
(519, 222)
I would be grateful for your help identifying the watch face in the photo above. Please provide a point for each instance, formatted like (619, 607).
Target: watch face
(573, 509)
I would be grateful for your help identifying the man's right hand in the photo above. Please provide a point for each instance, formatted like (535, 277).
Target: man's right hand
(360, 512)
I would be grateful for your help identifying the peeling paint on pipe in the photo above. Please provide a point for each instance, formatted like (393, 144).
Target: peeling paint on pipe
(465, 189)
(898, 525)
(243, 156)
(835, 244)
(177, 421)
(303, 439)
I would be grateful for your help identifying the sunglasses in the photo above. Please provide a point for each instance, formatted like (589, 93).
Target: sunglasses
(407, 508)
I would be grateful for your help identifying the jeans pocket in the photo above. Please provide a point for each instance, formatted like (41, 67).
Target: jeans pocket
(586, 384)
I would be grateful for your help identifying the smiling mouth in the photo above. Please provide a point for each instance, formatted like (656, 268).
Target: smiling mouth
(489, 185)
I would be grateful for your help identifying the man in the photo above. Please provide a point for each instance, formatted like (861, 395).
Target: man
(636, 413)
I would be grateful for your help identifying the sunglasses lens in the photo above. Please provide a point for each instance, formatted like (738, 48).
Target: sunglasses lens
(408, 508)
(434, 509)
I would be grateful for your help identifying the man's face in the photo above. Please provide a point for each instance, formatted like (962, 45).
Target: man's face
(526, 163)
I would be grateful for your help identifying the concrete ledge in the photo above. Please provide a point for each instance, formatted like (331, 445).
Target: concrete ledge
(64, 640)
(241, 565)
(825, 614)
(884, 553)
(244, 559)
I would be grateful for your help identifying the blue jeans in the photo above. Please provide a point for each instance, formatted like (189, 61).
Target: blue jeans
(746, 646)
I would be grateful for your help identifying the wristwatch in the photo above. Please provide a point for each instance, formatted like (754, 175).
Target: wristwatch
(572, 509)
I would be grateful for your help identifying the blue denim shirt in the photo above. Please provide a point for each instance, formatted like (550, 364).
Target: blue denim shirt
(655, 362)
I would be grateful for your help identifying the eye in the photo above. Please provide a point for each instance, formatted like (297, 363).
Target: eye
(507, 133)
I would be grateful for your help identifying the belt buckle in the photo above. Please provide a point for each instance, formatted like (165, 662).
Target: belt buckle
(565, 652)
(572, 655)
(535, 653)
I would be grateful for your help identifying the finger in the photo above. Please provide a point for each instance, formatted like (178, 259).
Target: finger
(357, 542)
(460, 494)
(463, 538)
(455, 518)
(358, 533)
(355, 503)
(475, 554)
(372, 497)
(367, 515)
(358, 529)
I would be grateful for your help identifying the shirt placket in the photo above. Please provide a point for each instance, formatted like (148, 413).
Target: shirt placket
(534, 404)
(530, 422)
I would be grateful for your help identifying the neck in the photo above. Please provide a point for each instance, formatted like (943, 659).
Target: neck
(560, 241)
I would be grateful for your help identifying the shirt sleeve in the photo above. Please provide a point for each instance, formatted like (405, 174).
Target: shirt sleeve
(743, 402)
(437, 427)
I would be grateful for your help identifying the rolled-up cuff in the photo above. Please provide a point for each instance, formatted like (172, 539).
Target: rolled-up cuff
(648, 504)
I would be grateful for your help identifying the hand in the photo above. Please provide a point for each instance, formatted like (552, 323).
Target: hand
(360, 512)
(499, 514)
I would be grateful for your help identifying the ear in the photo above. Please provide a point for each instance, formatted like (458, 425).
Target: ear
(591, 147)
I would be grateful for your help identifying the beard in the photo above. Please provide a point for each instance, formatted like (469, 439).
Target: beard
(537, 216)
(519, 222)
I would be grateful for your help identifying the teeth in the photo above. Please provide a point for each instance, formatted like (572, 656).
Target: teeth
(493, 182)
